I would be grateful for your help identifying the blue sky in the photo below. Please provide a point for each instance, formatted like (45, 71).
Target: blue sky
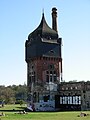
(20, 17)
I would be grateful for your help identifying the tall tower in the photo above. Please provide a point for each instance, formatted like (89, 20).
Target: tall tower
(44, 65)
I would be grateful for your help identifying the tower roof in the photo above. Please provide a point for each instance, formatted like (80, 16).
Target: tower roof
(44, 30)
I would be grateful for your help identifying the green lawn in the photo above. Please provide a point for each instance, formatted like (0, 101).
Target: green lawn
(12, 115)
(11, 107)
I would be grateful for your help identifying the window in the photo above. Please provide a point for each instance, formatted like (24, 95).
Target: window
(54, 72)
(30, 79)
(51, 51)
(50, 72)
(66, 88)
(71, 88)
(47, 72)
(84, 96)
(62, 88)
(51, 76)
(46, 98)
(83, 91)
(51, 66)
(55, 78)
(76, 87)
(32, 66)
(47, 78)
(32, 76)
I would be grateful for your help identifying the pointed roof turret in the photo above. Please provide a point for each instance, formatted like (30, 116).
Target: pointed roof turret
(44, 30)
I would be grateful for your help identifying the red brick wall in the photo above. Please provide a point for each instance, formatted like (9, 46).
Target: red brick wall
(43, 63)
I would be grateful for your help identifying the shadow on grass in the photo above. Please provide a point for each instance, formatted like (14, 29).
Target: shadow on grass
(21, 108)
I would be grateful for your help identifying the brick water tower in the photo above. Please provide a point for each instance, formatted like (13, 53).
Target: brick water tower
(44, 65)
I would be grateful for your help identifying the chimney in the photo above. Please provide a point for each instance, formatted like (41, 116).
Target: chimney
(54, 19)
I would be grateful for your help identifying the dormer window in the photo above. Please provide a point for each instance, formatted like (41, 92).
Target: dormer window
(31, 39)
(51, 51)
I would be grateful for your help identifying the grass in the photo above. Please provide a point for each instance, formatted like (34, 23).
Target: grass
(11, 107)
(11, 115)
